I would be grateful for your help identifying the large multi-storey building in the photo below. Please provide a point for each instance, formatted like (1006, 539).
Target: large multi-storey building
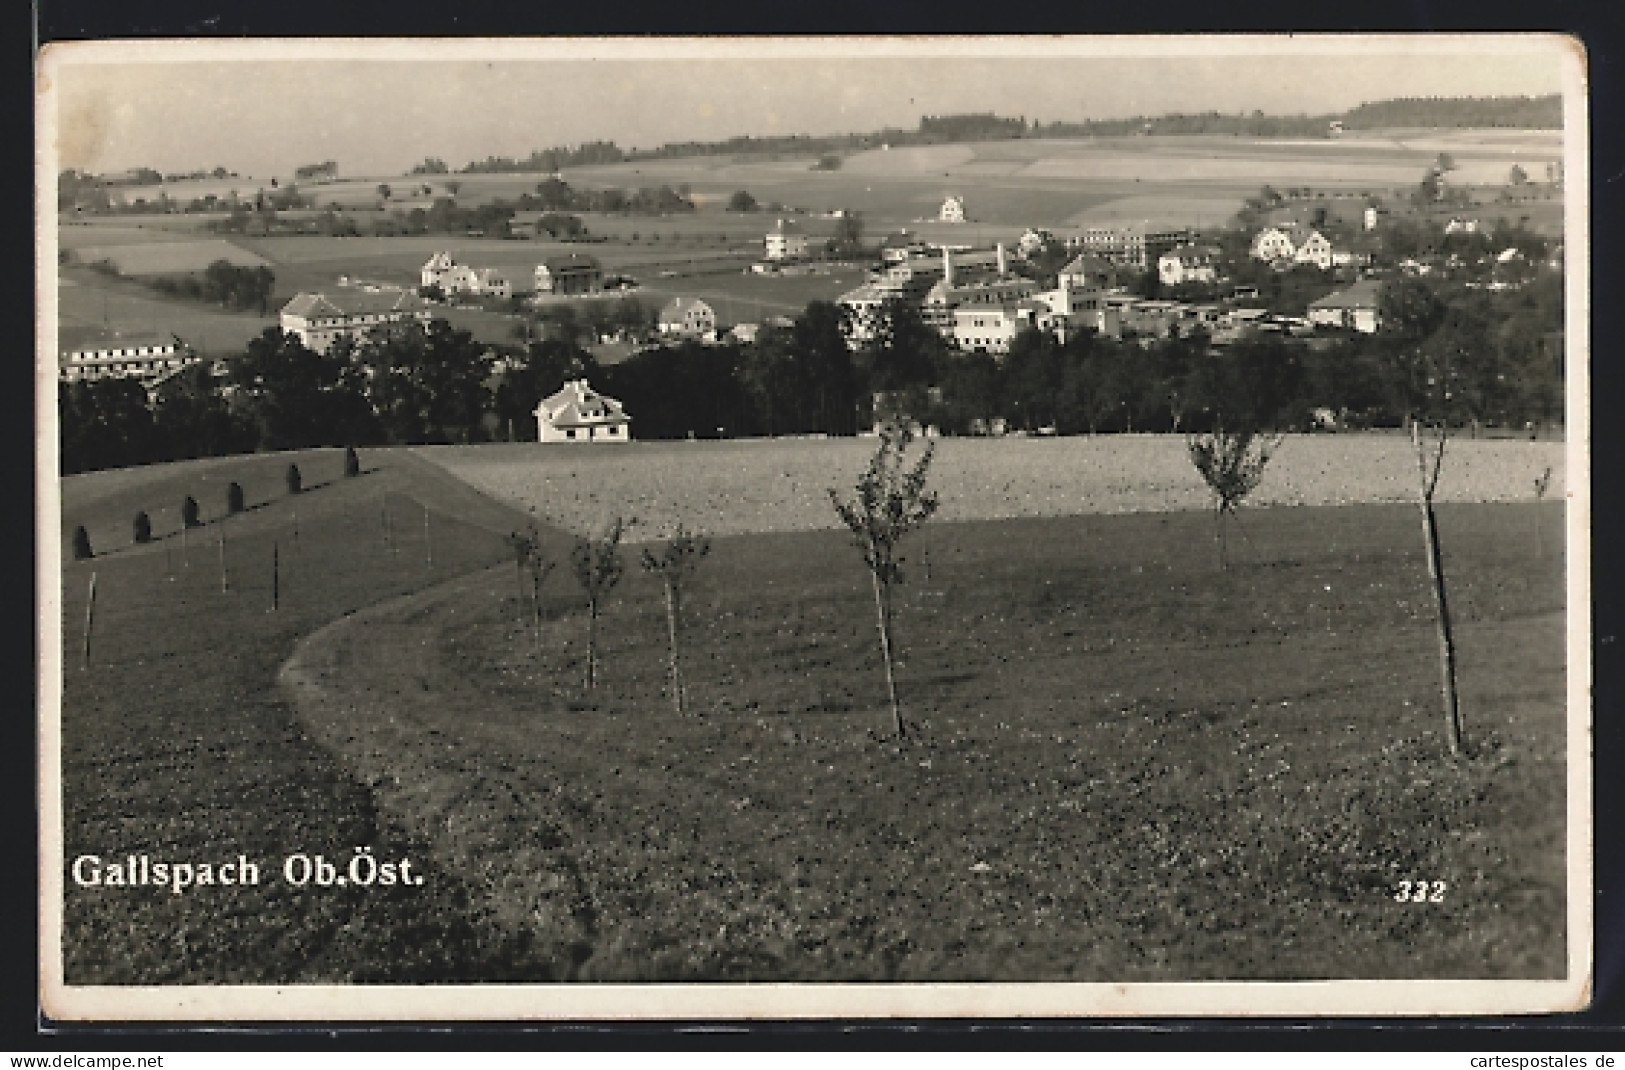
(146, 357)
(321, 319)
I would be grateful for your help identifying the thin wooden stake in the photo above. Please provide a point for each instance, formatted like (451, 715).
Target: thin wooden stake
(224, 585)
(882, 612)
(275, 576)
(428, 543)
(186, 558)
(90, 619)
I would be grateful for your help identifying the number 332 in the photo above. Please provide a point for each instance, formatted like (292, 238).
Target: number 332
(1420, 892)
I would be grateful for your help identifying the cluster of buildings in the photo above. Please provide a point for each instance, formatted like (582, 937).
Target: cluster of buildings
(565, 274)
(1294, 244)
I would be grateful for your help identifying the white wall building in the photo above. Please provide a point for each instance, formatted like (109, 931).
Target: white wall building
(785, 241)
(578, 413)
(321, 319)
(688, 317)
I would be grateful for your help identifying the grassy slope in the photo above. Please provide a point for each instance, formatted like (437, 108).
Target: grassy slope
(1167, 772)
(177, 743)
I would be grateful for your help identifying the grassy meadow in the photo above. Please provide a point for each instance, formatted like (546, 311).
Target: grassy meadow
(1124, 763)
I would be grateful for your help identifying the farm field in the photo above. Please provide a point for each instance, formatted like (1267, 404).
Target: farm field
(1008, 186)
(1125, 765)
(169, 257)
(90, 304)
(726, 488)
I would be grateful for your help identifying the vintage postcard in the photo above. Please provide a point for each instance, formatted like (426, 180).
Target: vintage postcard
(797, 528)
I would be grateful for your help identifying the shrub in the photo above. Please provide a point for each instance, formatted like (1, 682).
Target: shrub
(81, 544)
(234, 497)
(352, 462)
(295, 480)
(1232, 464)
(142, 527)
(189, 513)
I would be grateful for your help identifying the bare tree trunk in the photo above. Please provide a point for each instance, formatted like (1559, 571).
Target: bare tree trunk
(1218, 534)
(883, 614)
(1441, 604)
(671, 631)
(1447, 649)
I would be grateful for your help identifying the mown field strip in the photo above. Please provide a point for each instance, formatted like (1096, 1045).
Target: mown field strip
(731, 487)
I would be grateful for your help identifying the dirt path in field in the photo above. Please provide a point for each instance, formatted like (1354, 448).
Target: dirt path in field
(371, 686)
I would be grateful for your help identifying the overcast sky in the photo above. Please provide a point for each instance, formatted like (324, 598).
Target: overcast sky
(379, 107)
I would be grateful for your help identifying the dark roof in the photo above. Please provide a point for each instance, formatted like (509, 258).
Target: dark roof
(569, 262)
(352, 303)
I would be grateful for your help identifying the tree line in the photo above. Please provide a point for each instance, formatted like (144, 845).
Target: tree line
(1493, 357)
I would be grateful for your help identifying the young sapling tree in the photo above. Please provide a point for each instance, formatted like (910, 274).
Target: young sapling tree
(189, 513)
(891, 501)
(1232, 464)
(1429, 460)
(674, 564)
(141, 527)
(597, 564)
(294, 480)
(234, 497)
(533, 569)
(81, 544)
(352, 463)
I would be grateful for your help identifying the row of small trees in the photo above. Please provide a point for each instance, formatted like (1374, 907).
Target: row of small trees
(892, 500)
(191, 512)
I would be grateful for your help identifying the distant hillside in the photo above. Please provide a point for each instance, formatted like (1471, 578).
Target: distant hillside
(1541, 113)
(1527, 113)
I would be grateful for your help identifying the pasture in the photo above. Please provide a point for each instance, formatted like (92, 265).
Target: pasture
(168, 257)
(1125, 764)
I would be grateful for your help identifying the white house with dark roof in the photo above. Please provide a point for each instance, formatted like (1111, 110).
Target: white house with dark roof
(321, 319)
(578, 413)
(1359, 308)
(688, 317)
(952, 210)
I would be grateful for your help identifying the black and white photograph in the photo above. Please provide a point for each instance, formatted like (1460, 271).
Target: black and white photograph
(803, 528)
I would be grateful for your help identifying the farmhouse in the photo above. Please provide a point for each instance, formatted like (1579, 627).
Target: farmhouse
(1356, 308)
(574, 273)
(786, 241)
(1089, 271)
(1315, 250)
(952, 210)
(143, 357)
(1275, 243)
(1188, 263)
(438, 271)
(578, 413)
(321, 319)
(688, 317)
